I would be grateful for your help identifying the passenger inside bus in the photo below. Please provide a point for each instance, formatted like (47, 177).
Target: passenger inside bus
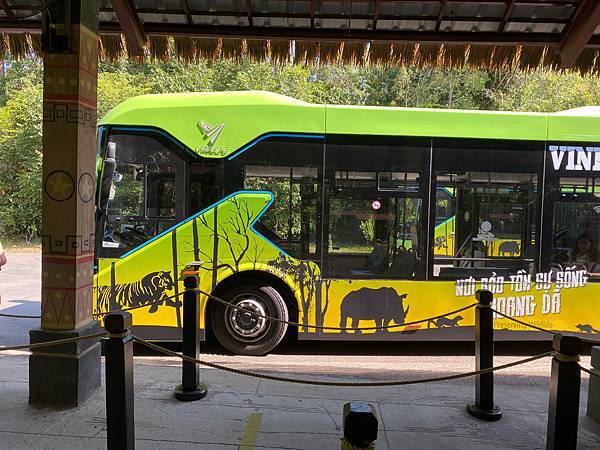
(584, 254)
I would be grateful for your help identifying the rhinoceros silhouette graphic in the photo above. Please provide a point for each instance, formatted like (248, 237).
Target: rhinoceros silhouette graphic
(382, 305)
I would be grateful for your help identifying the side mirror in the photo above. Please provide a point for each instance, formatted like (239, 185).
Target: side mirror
(108, 172)
(111, 151)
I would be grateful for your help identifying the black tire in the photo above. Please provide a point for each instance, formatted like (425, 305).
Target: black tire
(229, 330)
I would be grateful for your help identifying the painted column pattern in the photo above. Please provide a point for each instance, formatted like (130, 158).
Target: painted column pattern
(69, 179)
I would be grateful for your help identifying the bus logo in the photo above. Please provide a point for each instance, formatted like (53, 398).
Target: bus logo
(574, 158)
(211, 132)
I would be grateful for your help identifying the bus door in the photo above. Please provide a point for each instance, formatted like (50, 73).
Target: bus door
(374, 239)
(375, 203)
(489, 192)
(149, 184)
(571, 233)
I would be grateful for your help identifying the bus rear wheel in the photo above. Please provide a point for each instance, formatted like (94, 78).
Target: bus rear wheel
(244, 333)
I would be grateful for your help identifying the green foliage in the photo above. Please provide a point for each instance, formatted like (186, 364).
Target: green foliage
(21, 163)
(21, 108)
(547, 91)
(114, 87)
(17, 75)
(368, 230)
(339, 85)
(428, 88)
(165, 77)
(129, 194)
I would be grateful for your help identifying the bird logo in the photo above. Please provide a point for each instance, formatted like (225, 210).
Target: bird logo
(210, 132)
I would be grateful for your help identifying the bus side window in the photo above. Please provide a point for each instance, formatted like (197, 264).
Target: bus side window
(203, 189)
(291, 169)
(290, 221)
(375, 192)
(576, 225)
(486, 208)
(160, 192)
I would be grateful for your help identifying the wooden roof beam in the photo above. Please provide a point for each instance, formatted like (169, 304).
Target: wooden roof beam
(5, 6)
(441, 11)
(510, 5)
(307, 15)
(341, 34)
(187, 11)
(375, 14)
(320, 35)
(579, 31)
(130, 23)
(249, 13)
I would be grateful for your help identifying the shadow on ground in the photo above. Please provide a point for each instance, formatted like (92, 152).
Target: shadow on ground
(515, 348)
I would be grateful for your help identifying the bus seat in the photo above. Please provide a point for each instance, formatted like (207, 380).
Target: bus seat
(403, 265)
(378, 259)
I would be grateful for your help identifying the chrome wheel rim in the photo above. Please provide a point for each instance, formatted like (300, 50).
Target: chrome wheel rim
(244, 323)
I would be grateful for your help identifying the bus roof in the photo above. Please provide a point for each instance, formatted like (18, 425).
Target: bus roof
(221, 123)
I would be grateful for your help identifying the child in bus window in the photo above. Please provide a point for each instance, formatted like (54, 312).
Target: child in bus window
(585, 253)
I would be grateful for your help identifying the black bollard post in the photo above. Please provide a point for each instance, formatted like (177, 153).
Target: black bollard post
(118, 349)
(360, 426)
(484, 407)
(565, 386)
(190, 388)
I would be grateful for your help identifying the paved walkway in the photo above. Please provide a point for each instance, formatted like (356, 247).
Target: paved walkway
(20, 286)
(247, 413)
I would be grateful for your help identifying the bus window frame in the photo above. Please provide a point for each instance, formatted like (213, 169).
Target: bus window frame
(422, 168)
(268, 152)
(450, 162)
(552, 197)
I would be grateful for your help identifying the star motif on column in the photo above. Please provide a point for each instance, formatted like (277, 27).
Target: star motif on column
(59, 185)
(86, 187)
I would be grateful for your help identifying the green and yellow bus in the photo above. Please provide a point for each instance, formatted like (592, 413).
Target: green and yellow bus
(346, 216)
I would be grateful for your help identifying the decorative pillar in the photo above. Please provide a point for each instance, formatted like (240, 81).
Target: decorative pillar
(66, 375)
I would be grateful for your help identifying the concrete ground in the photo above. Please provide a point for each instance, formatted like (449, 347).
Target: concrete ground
(248, 413)
(20, 292)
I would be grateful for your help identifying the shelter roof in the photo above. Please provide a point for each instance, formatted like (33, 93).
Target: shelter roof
(482, 33)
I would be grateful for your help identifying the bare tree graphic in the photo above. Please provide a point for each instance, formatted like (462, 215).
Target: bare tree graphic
(234, 231)
(322, 301)
(228, 241)
(304, 275)
(257, 251)
(233, 234)
(325, 307)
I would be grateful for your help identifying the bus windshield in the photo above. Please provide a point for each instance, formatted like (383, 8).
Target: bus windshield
(138, 192)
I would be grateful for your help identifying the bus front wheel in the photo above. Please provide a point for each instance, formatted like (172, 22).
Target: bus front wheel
(240, 327)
